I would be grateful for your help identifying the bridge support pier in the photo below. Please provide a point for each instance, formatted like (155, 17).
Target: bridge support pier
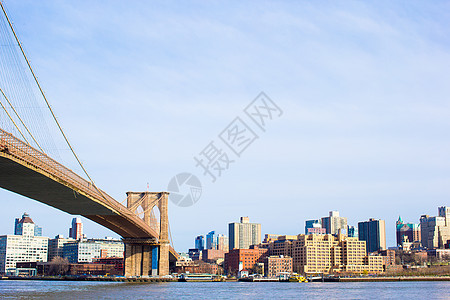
(143, 258)
(148, 256)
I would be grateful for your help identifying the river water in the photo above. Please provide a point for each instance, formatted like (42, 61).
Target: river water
(28, 289)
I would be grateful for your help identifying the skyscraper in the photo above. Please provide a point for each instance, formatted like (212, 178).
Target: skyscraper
(334, 224)
(26, 224)
(200, 242)
(374, 233)
(76, 231)
(410, 230)
(242, 235)
(222, 242)
(211, 240)
(435, 231)
(24, 246)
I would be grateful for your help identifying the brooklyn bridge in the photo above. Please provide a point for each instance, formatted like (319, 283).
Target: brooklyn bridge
(26, 169)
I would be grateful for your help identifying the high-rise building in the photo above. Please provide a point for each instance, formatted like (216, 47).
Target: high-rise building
(22, 247)
(244, 234)
(211, 240)
(222, 242)
(76, 231)
(374, 233)
(409, 230)
(24, 224)
(200, 242)
(334, 224)
(435, 231)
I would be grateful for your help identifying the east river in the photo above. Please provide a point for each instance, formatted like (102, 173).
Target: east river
(28, 289)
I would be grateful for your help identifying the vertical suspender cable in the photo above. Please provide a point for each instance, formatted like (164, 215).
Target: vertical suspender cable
(4, 108)
(10, 104)
(48, 104)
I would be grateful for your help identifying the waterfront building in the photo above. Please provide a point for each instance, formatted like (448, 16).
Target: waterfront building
(409, 230)
(76, 231)
(211, 240)
(324, 254)
(237, 260)
(200, 242)
(23, 247)
(25, 223)
(85, 251)
(374, 233)
(274, 265)
(435, 231)
(222, 242)
(334, 224)
(55, 246)
(244, 234)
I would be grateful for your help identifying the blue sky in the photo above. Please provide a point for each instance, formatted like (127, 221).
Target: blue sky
(142, 87)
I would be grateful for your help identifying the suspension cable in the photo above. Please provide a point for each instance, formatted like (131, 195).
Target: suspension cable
(10, 104)
(42, 92)
(48, 104)
(12, 120)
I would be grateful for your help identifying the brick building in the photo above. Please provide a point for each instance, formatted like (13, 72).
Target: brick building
(247, 257)
(274, 265)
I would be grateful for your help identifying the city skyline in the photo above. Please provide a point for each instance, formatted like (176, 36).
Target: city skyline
(363, 88)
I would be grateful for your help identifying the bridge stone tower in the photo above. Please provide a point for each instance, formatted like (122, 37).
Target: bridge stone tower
(148, 256)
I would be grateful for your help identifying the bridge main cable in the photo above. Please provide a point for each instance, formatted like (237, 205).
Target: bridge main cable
(47, 103)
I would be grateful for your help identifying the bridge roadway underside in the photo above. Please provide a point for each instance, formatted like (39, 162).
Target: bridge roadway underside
(20, 179)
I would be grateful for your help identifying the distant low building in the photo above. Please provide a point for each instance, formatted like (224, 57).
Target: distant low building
(243, 259)
(56, 245)
(86, 251)
(274, 265)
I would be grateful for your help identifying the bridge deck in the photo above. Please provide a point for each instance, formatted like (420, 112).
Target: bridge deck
(28, 172)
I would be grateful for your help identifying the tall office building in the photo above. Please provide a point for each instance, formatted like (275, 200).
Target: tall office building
(25, 223)
(435, 231)
(374, 233)
(22, 247)
(334, 224)
(211, 240)
(244, 234)
(409, 230)
(200, 242)
(76, 231)
(222, 242)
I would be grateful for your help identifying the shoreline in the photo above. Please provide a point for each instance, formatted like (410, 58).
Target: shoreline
(124, 279)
